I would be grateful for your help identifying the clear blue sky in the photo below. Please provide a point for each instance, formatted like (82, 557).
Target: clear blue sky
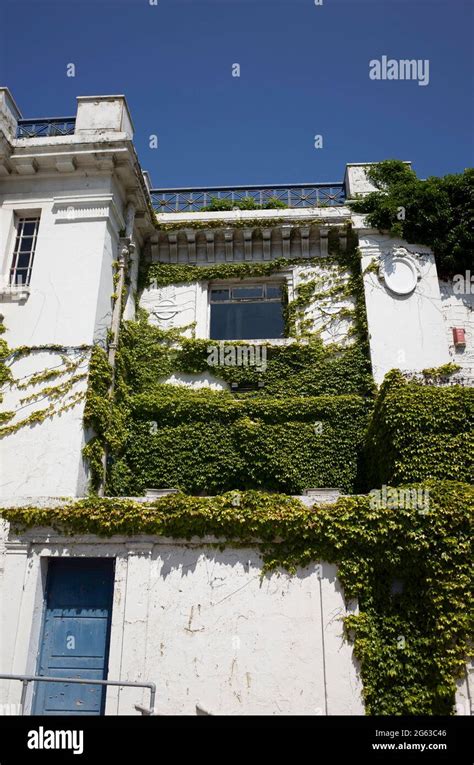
(304, 71)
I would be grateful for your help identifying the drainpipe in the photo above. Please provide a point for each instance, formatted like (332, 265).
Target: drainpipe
(126, 248)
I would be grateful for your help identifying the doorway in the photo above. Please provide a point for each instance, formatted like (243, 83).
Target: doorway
(75, 635)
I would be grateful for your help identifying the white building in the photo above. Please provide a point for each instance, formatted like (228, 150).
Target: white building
(197, 623)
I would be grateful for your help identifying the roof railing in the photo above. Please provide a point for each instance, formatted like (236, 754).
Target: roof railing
(46, 127)
(296, 195)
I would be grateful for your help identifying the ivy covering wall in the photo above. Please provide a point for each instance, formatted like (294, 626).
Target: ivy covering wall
(305, 423)
(211, 442)
(302, 424)
(55, 389)
(5, 374)
(420, 431)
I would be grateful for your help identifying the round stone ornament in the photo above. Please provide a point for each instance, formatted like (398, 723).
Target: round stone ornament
(400, 274)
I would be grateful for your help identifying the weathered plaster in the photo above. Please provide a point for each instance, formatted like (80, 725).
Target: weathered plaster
(199, 622)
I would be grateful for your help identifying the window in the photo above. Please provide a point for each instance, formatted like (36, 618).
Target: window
(247, 312)
(24, 251)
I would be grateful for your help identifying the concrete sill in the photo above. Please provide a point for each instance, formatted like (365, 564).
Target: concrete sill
(12, 293)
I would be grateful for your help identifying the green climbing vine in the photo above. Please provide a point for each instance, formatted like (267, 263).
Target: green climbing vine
(5, 372)
(299, 424)
(419, 431)
(59, 398)
(97, 413)
(224, 223)
(164, 274)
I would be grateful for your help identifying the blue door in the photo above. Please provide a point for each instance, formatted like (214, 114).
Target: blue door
(76, 634)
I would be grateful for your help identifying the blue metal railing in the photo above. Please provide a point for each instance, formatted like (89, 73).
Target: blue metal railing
(46, 128)
(295, 195)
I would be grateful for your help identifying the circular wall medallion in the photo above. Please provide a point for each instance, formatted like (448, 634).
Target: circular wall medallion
(163, 308)
(400, 275)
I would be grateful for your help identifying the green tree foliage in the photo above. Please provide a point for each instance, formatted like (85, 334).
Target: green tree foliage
(438, 212)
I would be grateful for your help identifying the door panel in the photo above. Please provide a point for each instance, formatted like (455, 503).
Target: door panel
(76, 634)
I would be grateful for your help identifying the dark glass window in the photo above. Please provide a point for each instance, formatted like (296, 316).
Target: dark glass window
(24, 251)
(247, 312)
(218, 295)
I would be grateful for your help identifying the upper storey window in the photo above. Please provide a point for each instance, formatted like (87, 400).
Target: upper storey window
(252, 311)
(24, 250)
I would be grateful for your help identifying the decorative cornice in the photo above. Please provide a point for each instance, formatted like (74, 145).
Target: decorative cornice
(241, 243)
(70, 209)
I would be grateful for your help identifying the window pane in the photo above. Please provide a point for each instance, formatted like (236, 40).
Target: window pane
(241, 293)
(273, 291)
(26, 244)
(23, 260)
(28, 227)
(20, 276)
(219, 294)
(245, 321)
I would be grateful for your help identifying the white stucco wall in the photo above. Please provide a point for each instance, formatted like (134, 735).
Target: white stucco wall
(465, 692)
(68, 259)
(198, 622)
(69, 303)
(458, 311)
(45, 456)
(178, 305)
(87, 187)
(406, 332)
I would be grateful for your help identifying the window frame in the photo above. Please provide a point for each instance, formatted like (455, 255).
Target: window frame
(20, 219)
(280, 280)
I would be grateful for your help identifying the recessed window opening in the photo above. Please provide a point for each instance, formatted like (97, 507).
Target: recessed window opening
(247, 311)
(24, 250)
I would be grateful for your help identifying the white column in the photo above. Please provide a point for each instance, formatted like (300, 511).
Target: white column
(117, 634)
(135, 627)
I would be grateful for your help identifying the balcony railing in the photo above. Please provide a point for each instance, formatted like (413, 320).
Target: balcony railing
(297, 195)
(46, 128)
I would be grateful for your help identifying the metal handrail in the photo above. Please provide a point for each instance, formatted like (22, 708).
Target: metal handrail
(256, 187)
(25, 679)
(46, 127)
(296, 195)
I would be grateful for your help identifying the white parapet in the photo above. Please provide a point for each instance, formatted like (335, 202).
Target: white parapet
(356, 182)
(103, 113)
(9, 113)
